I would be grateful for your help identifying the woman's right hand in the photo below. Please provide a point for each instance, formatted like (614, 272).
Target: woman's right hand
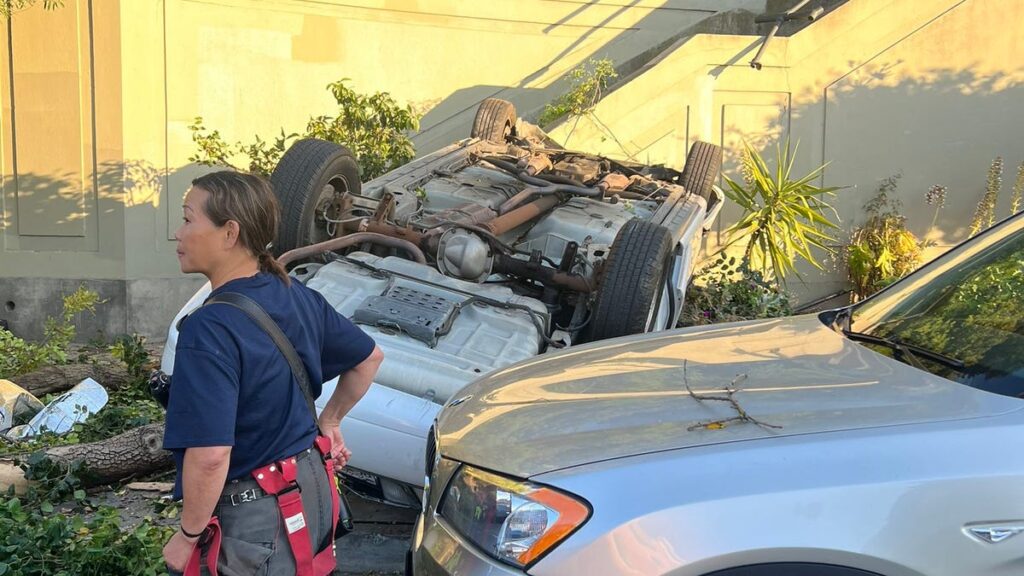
(339, 452)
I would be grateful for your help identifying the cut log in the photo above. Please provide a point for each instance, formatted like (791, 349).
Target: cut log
(111, 374)
(135, 452)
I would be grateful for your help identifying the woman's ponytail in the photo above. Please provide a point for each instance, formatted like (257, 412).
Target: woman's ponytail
(270, 265)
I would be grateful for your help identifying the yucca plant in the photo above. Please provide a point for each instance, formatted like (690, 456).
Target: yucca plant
(784, 218)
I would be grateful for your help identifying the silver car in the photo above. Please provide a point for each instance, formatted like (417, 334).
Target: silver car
(886, 438)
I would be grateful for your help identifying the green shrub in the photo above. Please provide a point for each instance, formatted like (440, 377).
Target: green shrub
(883, 250)
(727, 291)
(375, 128)
(587, 83)
(18, 356)
(131, 349)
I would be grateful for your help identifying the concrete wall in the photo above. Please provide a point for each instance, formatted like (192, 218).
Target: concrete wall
(929, 89)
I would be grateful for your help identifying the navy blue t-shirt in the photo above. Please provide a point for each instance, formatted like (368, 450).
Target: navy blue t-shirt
(232, 386)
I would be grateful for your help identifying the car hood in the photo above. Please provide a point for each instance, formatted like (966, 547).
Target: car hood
(668, 391)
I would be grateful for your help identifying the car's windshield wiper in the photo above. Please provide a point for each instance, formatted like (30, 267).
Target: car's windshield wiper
(908, 350)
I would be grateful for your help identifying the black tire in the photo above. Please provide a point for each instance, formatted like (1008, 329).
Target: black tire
(793, 569)
(703, 164)
(311, 173)
(495, 120)
(634, 276)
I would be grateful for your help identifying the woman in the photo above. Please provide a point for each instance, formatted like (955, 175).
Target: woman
(234, 405)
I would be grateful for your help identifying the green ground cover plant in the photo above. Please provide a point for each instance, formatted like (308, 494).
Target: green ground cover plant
(56, 527)
(728, 291)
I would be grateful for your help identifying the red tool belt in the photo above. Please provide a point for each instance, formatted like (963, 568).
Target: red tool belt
(278, 479)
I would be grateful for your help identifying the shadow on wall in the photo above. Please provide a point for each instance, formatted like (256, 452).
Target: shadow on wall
(130, 212)
(449, 119)
(934, 126)
(133, 184)
(940, 127)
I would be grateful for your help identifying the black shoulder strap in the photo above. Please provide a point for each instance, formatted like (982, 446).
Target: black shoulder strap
(264, 321)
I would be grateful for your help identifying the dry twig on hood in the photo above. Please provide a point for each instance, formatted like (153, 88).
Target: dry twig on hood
(730, 391)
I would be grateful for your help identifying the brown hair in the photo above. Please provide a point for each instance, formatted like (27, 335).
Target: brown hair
(249, 200)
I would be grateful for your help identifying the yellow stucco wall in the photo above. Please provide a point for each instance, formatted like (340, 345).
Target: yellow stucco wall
(60, 120)
(931, 89)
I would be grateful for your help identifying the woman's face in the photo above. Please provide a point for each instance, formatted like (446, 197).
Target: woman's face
(201, 244)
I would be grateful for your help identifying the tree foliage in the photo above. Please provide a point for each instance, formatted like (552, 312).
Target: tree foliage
(587, 83)
(374, 127)
(18, 356)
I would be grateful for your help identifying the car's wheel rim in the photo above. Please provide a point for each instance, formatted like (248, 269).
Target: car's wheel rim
(658, 314)
(330, 210)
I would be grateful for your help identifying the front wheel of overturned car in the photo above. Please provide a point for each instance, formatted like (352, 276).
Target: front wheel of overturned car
(495, 120)
(703, 164)
(310, 181)
(631, 287)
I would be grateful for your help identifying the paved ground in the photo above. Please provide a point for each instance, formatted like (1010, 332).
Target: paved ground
(375, 548)
(377, 545)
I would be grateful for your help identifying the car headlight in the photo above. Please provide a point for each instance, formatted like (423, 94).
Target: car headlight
(514, 521)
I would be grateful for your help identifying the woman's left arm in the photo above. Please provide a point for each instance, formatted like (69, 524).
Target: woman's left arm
(352, 385)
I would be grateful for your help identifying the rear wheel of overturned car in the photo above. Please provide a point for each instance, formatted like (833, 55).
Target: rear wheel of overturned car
(310, 181)
(703, 164)
(632, 286)
(495, 120)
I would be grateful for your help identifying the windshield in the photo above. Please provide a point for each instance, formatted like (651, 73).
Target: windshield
(968, 305)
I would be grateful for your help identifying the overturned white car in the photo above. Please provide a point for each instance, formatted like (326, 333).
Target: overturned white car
(490, 251)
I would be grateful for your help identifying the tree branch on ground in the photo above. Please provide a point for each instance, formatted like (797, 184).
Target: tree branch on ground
(111, 374)
(136, 452)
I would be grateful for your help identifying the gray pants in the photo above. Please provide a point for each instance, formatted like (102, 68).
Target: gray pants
(255, 540)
